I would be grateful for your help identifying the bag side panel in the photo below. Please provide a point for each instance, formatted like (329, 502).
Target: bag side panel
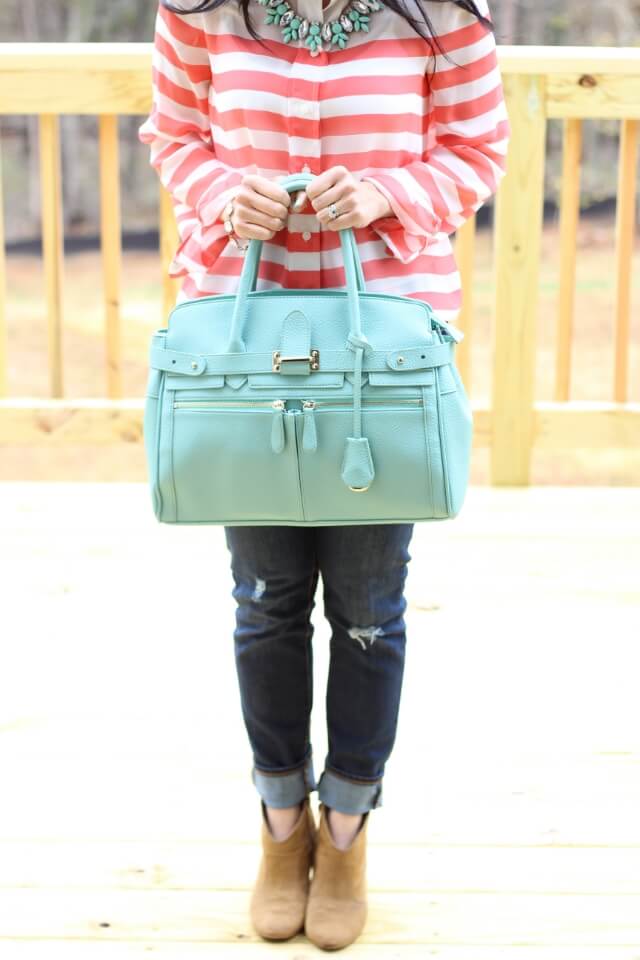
(150, 432)
(456, 429)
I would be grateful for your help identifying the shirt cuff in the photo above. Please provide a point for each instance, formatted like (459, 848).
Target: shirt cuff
(214, 200)
(402, 244)
(199, 250)
(405, 246)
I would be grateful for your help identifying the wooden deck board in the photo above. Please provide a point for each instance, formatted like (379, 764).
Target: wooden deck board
(509, 827)
(298, 948)
(404, 917)
(219, 865)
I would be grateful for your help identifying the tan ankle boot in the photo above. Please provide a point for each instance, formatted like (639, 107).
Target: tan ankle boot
(280, 892)
(337, 902)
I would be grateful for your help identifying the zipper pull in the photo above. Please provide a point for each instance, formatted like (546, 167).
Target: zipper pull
(309, 435)
(277, 426)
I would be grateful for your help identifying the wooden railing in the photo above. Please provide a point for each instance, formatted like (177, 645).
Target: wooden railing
(540, 83)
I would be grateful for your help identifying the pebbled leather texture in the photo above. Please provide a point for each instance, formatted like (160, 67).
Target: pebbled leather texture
(357, 465)
(386, 411)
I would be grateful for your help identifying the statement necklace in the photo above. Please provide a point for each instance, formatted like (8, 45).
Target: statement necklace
(294, 27)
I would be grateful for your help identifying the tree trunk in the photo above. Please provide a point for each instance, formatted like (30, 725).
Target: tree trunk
(508, 21)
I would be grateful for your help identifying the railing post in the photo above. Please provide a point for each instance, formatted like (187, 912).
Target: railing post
(569, 217)
(169, 239)
(3, 296)
(52, 242)
(517, 239)
(625, 227)
(111, 241)
(465, 257)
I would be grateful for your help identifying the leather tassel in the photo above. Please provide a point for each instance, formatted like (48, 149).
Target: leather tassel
(277, 429)
(357, 466)
(309, 434)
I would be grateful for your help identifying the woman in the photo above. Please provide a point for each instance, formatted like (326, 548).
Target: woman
(398, 113)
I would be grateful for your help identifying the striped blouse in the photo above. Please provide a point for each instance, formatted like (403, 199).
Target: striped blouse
(435, 146)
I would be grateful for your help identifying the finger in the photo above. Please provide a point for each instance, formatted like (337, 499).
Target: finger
(300, 201)
(263, 208)
(333, 179)
(272, 196)
(344, 208)
(250, 216)
(341, 222)
(335, 194)
(253, 231)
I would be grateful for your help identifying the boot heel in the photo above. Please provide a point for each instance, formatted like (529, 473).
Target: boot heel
(337, 902)
(279, 897)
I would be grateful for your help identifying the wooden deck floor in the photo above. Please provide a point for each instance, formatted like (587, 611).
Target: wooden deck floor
(510, 829)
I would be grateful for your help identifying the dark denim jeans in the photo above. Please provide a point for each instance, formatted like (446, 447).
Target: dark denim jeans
(275, 570)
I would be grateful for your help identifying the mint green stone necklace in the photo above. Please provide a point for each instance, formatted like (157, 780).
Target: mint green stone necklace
(334, 32)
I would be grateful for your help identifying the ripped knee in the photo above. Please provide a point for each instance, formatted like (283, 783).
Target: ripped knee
(259, 589)
(363, 634)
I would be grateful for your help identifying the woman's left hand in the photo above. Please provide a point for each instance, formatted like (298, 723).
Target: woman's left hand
(358, 202)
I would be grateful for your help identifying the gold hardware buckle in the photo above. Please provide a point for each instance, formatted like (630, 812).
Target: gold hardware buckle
(313, 360)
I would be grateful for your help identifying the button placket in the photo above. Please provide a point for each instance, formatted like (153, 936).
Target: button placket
(303, 95)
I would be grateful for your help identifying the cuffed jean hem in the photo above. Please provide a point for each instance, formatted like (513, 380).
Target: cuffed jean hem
(285, 788)
(347, 795)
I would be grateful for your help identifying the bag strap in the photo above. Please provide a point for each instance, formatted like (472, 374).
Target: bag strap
(357, 467)
(255, 260)
(331, 361)
(354, 277)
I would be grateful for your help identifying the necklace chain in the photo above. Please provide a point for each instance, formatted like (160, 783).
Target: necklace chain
(314, 33)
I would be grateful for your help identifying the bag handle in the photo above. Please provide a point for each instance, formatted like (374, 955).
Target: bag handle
(248, 278)
(255, 259)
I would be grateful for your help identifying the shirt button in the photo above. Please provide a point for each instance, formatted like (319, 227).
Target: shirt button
(306, 168)
(306, 235)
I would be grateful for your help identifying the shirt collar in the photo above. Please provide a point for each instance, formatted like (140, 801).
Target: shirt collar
(312, 9)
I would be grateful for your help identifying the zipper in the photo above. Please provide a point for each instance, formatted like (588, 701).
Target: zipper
(365, 400)
(279, 404)
(277, 425)
(294, 414)
(230, 402)
(309, 433)
(277, 419)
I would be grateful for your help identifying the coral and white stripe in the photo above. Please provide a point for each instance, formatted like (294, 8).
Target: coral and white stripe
(434, 144)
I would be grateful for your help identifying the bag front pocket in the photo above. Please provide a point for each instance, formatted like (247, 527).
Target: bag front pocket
(234, 460)
(402, 486)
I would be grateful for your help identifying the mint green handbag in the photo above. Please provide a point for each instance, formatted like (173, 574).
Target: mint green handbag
(306, 407)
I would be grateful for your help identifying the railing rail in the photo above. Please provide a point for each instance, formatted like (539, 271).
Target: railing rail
(570, 83)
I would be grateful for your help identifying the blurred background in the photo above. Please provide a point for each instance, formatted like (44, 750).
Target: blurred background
(587, 23)
(128, 822)
(573, 22)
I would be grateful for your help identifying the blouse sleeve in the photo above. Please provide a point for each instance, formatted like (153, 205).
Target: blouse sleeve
(469, 134)
(181, 146)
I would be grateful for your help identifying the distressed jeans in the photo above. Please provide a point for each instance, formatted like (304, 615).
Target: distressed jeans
(275, 572)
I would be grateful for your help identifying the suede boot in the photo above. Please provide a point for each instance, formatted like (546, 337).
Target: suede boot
(279, 896)
(337, 903)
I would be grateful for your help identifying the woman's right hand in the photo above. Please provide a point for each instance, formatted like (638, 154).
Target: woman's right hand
(260, 208)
